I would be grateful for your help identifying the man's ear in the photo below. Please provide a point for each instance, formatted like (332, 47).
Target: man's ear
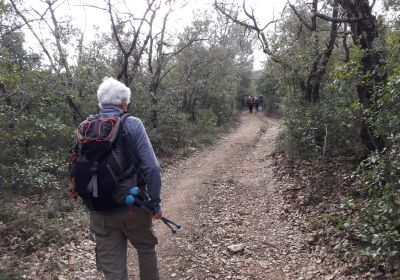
(124, 105)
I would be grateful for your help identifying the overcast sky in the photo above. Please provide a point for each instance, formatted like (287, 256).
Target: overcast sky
(185, 11)
(183, 14)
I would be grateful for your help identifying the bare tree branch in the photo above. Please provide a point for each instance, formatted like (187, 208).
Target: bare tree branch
(40, 41)
(134, 49)
(300, 17)
(331, 19)
(254, 26)
(57, 36)
(114, 28)
(15, 28)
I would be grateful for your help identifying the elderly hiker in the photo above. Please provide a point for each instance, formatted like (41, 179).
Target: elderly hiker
(112, 221)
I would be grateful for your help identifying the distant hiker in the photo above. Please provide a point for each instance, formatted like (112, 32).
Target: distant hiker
(261, 100)
(250, 103)
(112, 221)
(256, 103)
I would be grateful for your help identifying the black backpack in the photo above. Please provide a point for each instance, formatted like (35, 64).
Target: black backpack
(102, 169)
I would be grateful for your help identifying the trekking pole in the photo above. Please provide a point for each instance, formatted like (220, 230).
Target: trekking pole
(166, 221)
(139, 202)
(170, 223)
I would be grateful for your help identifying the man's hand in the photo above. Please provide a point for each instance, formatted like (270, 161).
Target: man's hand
(157, 215)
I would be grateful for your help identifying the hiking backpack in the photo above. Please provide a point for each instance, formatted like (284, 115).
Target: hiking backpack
(102, 169)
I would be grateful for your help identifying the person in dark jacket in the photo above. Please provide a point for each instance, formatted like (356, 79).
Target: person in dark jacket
(256, 103)
(250, 103)
(115, 227)
(261, 101)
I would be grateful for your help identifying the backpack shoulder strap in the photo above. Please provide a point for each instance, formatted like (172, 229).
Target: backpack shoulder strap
(133, 169)
(124, 116)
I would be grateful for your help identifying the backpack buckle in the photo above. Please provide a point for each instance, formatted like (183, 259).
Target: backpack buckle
(94, 167)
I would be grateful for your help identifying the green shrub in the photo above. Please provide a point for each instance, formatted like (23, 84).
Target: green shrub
(33, 175)
(8, 212)
(172, 132)
(324, 128)
(374, 208)
(4, 276)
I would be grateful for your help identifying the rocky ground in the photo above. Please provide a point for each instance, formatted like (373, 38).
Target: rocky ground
(237, 221)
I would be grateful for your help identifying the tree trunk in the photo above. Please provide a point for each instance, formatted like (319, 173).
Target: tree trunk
(372, 74)
(154, 113)
(313, 84)
(153, 89)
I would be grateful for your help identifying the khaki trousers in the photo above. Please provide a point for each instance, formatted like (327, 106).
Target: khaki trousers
(112, 230)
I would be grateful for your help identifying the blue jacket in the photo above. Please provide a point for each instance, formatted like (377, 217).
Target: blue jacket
(143, 152)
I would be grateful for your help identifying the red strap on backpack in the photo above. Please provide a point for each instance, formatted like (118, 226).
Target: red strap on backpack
(97, 130)
(73, 194)
(74, 156)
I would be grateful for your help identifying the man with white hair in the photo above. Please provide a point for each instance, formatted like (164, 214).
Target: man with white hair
(114, 227)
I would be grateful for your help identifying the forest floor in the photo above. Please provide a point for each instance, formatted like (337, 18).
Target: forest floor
(238, 221)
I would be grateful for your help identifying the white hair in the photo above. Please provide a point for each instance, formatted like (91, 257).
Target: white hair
(112, 92)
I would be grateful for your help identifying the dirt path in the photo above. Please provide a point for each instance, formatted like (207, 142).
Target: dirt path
(227, 195)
